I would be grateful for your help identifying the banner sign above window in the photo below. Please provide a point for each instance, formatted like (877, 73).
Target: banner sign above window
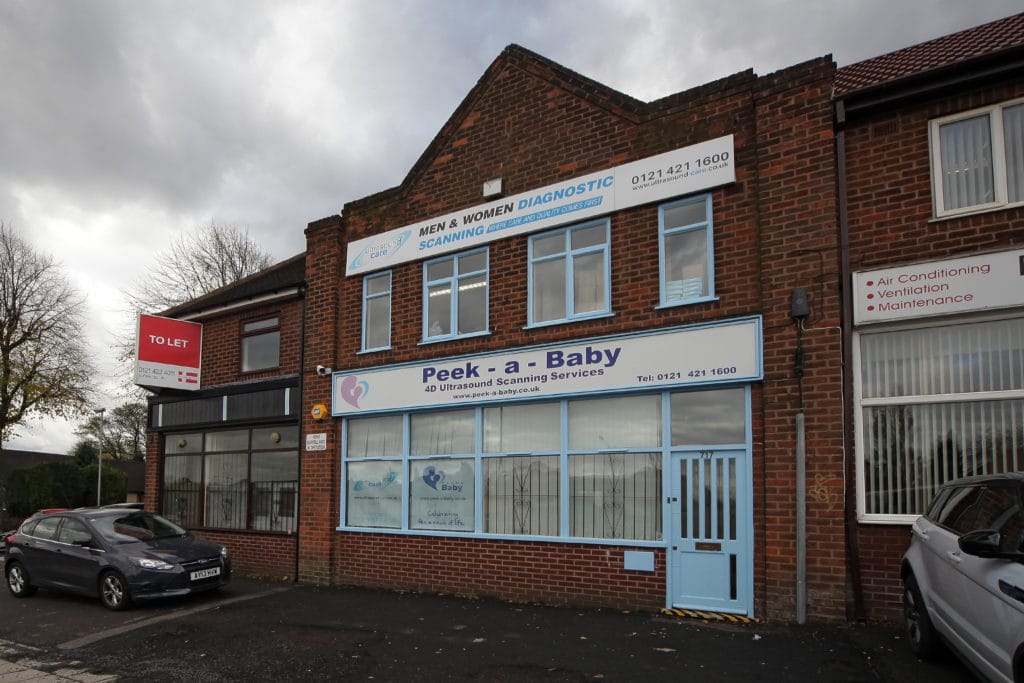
(975, 283)
(167, 353)
(725, 352)
(672, 174)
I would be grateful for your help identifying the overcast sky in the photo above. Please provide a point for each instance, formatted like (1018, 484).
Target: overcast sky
(125, 123)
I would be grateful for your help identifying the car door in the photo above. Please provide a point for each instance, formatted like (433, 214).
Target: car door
(78, 558)
(39, 550)
(993, 588)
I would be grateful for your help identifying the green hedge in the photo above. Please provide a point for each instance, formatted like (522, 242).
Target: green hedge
(60, 484)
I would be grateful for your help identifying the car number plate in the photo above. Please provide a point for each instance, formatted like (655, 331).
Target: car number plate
(205, 573)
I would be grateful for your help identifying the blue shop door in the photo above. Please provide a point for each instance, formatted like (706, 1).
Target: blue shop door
(711, 551)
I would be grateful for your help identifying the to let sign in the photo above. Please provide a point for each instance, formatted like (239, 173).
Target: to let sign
(168, 353)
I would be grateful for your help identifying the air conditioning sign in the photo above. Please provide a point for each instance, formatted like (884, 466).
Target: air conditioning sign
(168, 353)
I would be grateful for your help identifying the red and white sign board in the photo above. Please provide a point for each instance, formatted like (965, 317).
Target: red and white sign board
(973, 283)
(168, 353)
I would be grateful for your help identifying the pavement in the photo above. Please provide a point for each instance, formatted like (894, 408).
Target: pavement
(266, 630)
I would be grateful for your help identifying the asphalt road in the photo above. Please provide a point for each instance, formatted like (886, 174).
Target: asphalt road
(259, 631)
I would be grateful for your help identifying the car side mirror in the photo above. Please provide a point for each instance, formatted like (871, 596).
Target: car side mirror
(988, 543)
(83, 543)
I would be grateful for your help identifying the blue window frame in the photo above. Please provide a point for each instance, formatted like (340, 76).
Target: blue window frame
(686, 243)
(377, 311)
(570, 274)
(455, 296)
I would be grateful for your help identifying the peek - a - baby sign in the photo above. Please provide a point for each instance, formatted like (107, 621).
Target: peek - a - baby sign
(168, 353)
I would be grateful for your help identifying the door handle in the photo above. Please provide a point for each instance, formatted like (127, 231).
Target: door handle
(954, 557)
(1014, 592)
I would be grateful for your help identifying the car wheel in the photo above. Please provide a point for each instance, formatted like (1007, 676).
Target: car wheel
(920, 632)
(114, 592)
(18, 581)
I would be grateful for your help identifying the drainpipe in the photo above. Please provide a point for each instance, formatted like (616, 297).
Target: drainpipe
(845, 279)
(801, 521)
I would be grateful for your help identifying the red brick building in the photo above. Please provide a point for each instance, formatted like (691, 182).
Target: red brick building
(597, 351)
(931, 166)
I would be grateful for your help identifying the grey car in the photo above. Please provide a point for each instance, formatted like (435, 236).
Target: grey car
(121, 555)
(963, 575)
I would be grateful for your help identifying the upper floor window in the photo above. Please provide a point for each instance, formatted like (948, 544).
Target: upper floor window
(455, 296)
(261, 344)
(687, 262)
(978, 159)
(377, 311)
(570, 272)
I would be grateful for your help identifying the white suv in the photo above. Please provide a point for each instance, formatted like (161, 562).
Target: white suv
(963, 575)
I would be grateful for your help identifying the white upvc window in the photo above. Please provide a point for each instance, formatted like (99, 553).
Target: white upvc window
(978, 159)
(570, 274)
(935, 403)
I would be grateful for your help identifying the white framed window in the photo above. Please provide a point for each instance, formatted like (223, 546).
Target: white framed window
(978, 159)
(686, 251)
(935, 403)
(570, 274)
(377, 311)
(455, 296)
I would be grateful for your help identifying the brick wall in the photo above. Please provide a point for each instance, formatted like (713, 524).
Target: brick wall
(890, 219)
(270, 556)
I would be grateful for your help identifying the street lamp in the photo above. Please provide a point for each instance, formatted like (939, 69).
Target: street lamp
(99, 458)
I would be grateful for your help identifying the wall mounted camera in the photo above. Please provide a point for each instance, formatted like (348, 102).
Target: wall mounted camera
(323, 371)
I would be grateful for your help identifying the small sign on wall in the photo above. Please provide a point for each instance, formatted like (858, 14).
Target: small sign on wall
(316, 442)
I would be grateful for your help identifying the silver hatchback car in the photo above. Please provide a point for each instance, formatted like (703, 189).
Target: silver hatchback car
(963, 575)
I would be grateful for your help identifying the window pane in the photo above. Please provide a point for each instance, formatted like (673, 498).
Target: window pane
(686, 265)
(472, 304)
(378, 322)
(615, 495)
(680, 215)
(548, 245)
(909, 450)
(966, 157)
(274, 438)
(439, 310)
(549, 291)
(259, 325)
(471, 263)
(626, 422)
(588, 283)
(237, 440)
(445, 433)
(709, 417)
(182, 496)
(442, 495)
(260, 351)
(375, 437)
(378, 284)
(275, 500)
(521, 495)
(952, 359)
(522, 428)
(439, 270)
(591, 236)
(1013, 136)
(374, 494)
(183, 443)
(226, 485)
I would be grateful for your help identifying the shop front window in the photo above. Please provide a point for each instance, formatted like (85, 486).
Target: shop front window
(232, 479)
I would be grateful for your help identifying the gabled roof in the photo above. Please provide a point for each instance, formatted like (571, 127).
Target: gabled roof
(281, 277)
(933, 58)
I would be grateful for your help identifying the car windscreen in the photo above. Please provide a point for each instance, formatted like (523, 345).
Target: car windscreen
(131, 527)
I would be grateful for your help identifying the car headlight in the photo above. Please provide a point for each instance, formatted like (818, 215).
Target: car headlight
(150, 563)
(224, 552)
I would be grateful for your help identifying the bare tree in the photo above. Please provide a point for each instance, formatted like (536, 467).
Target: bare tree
(122, 433)
(196, 264)
(44, 363)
